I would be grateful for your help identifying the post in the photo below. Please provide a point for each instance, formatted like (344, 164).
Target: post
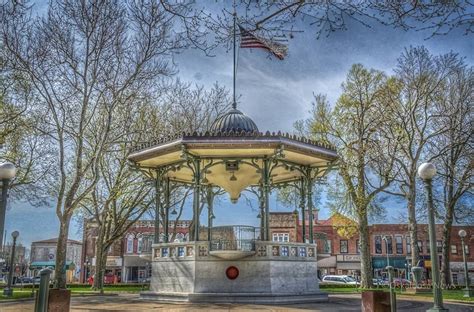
(41, 304)
(261, 203)
(196, 196)
(437, 294)
(310, 205)
(266, 191)
(393, 300)
(210, 201)
(8, 291)
(167, 210)
(3, 209)
(302, 206)
(156, 239)
(467, 290)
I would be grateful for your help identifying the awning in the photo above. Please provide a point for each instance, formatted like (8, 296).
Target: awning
(328, 262)
(50, 264)
(136, 260)
(459, 266)
(348, 265)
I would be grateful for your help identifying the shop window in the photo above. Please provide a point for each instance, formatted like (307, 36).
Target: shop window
(455, 278)
(130, 244)
(408, 242)
(140, 245)
(327, 246)
(399, 244)
(281, 237)
(389, 244)
(454, 249)
(420, 246)
(378, 244)
(344, 246)
(439, 246)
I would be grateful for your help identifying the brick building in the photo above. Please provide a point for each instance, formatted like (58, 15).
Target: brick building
(338, 245)
(43, 255)
(128, 259)
(336, 238)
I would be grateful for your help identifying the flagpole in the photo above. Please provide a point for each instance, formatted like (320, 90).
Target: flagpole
(234, 104)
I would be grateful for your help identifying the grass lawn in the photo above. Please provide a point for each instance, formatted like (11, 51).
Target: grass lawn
(77, 291)
(447, 294)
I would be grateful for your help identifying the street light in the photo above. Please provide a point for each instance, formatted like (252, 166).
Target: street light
(7, 173)
(8, 291)
(468, 292)
(426, 172)
(386, 248)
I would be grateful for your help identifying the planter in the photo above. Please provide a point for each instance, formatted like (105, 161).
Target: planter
(375, 301)
(59, 300)
(417, 271)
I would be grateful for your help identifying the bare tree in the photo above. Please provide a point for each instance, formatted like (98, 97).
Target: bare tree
(419, 78)
(83, 59)
(452, 152)
(357, 126)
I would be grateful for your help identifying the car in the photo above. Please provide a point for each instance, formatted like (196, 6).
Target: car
(24, 280)
(339, 280)
(397, 282)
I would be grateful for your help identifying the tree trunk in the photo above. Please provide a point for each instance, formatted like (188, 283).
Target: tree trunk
(99, 262)
(364, 242)
(412, 224)
(446, 239)
(61, 252)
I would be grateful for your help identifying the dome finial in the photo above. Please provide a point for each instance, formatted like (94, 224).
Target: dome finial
(234, 105)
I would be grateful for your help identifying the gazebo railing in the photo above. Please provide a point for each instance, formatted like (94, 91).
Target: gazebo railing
(235, 237)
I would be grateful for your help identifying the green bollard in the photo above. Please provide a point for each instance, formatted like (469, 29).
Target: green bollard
(41, 303)
(393, 300)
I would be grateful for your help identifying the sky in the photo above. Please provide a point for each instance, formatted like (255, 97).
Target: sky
(274, 94)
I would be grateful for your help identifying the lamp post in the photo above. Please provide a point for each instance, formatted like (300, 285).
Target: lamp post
(8, 291)
(426, 172)
(468, 292)
(386, 249)
(7, 173)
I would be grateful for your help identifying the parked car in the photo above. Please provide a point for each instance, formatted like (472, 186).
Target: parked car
(397, 282)
(339, 280)
(24, 280)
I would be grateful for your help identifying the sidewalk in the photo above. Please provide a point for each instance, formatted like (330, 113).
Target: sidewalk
(132, 302)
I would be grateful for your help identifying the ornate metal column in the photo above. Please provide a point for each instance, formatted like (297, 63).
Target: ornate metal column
(167, 210)
(266, 191)
(309, 181)
(196, 196)
(302, 206)
(261, 203)
(156, 239)
(210, 211)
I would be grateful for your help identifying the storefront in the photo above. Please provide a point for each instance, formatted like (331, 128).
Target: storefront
(380, 263)
(37, 266)
(136, 268)
(348, 265)
(458, 274)
(326, 266)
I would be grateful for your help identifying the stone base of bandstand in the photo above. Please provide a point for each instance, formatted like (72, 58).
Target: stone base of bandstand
(275, 273)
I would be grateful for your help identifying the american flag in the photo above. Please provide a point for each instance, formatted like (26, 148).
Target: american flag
(249, 40)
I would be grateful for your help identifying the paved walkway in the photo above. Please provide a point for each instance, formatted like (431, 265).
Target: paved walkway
(129, 302)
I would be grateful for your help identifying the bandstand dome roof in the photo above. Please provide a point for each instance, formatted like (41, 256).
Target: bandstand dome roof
(234, 139)
(233, 120)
